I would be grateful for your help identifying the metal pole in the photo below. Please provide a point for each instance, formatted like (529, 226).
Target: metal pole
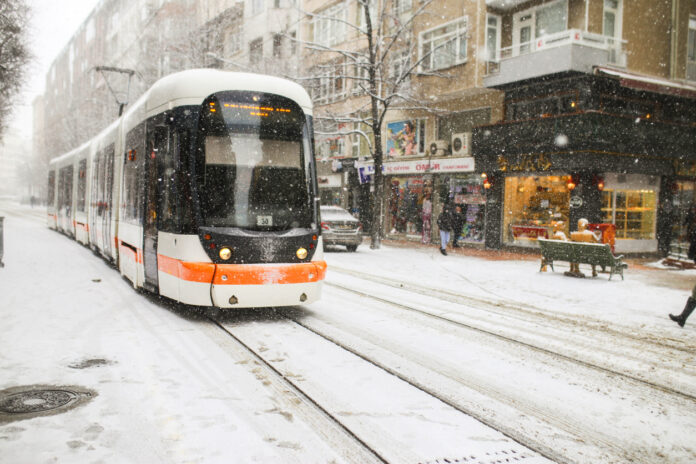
(2, 220)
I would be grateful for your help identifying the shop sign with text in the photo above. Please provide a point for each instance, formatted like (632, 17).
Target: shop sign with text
(418, 167)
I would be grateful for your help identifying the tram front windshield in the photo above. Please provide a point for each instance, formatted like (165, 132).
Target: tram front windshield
(252, 163)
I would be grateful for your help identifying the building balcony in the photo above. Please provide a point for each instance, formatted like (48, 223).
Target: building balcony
(569, 50)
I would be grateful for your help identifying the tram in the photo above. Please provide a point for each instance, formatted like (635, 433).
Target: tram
(204, 192)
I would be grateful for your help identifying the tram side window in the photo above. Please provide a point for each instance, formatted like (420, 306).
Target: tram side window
(169, 213)
(133, 182)
(65, 183)
(82, 185)
(50, 198)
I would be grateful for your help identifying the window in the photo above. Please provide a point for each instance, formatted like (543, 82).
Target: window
(691, 50)
(533, 207)
(444, 46)
(531, 24)
(51, 189)
(329, 25)
(361, 22)
(82, 186)
(632, 211)
(256, 50)
(330, 84)
(492, 37)
(401, 61)
(551, 18)
(277, 46)
(256, 7)
(611, 26)
(402, 6)
(233, 39)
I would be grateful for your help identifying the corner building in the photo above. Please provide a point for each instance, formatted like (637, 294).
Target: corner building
(599, 120)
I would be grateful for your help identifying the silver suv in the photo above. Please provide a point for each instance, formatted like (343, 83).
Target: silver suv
(338, 227)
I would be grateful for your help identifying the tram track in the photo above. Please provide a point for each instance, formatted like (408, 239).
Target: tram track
(522, 310)
(296, 399)
(539, 420)
(291, 317)
(572, 340)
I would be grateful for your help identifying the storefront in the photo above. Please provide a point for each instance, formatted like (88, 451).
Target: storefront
(417, 190)
(594, 157)
(538, 205)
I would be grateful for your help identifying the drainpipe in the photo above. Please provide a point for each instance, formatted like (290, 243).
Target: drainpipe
(674, 40)
(587, 15)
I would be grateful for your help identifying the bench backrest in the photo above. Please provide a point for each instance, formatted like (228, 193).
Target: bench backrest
(577, 252)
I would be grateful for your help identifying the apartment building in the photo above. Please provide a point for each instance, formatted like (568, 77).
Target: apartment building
(259, 36)
(139, 40)
(578, 108)
(427, 131)
(599, 120)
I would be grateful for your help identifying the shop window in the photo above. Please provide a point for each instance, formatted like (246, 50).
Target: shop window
(632, 211)
(533, 207)
(466, 192)
(683, 204)
(405, 204)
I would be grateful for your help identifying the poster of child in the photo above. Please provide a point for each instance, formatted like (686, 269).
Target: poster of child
(401, 139)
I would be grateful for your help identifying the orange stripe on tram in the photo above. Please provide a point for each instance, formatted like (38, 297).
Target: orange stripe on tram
(242, 274)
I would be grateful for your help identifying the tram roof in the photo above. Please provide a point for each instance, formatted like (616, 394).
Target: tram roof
(193, 86)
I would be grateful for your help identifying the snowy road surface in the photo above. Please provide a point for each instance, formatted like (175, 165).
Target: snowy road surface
(410, 357)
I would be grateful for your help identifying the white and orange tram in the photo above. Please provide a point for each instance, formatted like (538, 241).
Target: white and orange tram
(204, 192)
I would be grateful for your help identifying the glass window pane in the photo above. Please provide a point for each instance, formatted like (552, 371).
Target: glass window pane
(551, 19)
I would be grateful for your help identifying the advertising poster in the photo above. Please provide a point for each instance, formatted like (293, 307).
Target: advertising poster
(401, 139)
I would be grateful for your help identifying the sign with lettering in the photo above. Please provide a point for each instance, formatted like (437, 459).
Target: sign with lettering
(423, 166)
(529, 162)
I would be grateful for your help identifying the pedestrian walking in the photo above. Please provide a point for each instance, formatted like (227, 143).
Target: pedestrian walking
(688, 309)
(691, 232)
(426, 215)
(458, 219)
(445, 222)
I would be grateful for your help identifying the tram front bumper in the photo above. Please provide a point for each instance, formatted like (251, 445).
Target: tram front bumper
(262, 285)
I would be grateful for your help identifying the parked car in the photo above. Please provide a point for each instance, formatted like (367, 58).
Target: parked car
(338, 227)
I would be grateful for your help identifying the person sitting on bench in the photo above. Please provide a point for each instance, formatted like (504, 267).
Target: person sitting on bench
(581, 235)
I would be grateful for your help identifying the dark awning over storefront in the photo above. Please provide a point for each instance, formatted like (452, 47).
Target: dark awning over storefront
(589, 140)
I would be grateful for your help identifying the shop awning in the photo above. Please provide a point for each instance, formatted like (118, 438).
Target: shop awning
(649, 83)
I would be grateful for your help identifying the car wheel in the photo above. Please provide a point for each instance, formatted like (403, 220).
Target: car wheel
(351, 247)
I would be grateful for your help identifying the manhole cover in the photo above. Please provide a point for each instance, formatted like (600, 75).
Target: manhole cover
(24, 402)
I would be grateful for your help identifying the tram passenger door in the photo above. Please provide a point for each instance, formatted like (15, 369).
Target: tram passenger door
(156, 142)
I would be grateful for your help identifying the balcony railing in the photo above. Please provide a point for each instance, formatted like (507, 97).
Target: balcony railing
(614, 47)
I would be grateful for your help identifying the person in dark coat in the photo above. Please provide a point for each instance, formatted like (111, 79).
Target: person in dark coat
(459, 219)
(691, 232)
(688, 309)
(445, 222)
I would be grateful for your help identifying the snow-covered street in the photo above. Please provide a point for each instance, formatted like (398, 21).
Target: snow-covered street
(409, 357)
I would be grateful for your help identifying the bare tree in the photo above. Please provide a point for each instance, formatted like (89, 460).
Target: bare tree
(379, 70)
(14, 54)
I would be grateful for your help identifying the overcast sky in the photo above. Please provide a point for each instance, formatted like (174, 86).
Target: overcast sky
(52, 24)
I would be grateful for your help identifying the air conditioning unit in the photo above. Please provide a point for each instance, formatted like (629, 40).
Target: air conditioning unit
(439, 148)
(461, 144)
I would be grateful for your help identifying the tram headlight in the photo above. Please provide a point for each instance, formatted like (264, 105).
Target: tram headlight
(301, 253)
(225, 253)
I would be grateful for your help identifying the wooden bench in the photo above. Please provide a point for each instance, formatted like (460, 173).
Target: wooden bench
(594, 254)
